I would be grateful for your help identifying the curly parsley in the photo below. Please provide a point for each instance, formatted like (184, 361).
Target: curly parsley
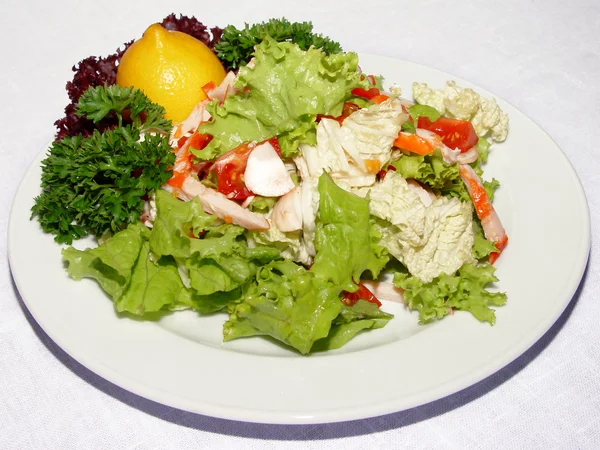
(96, 184)
(236, 46)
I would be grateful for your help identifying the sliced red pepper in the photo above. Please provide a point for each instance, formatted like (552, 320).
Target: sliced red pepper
(413, 143)
(379, 98)
(366, 93)
(182, 141)
(362, 293)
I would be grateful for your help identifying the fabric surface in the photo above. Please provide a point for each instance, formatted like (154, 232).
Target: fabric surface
(542, 57)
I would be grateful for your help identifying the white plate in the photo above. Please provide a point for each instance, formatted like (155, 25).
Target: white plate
(180, 361)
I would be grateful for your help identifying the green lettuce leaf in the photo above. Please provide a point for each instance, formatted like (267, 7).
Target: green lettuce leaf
(352, 319)
(432, 171)
(123, 268)
(218, 262)
(175, 222)
(153, 287)
(464, 291)
(288, 303)
(481, 247)
(345, 242)
(148, 271)
(280, 96)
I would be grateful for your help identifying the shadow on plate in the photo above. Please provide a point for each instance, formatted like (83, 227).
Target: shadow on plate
(314, 431)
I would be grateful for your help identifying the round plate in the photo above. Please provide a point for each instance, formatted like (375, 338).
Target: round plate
(180, 360)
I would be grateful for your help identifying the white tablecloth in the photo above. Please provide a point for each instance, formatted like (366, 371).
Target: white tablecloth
(543, 57)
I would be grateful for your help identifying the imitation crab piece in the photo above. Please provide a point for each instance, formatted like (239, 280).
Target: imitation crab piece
(287, 212)
(214, 202)
(198, 115)
(492, 227)
(221, 92)
(266, 174)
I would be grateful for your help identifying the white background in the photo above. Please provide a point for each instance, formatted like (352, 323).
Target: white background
(541, 56)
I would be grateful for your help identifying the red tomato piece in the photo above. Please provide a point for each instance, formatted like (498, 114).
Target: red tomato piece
(347, 109)
(230, 169)
(366, 93)
(455, 133)
(383, 172)
(363, 293)
(200, 141)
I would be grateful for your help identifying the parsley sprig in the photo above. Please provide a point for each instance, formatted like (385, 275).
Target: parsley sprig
(236, 46)
(96, 184)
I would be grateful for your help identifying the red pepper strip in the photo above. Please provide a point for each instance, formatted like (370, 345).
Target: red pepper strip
(413, 143)
(379, 98)
(364, 93)
(362, 293)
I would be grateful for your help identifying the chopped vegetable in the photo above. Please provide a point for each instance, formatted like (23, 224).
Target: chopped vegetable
(464, 291)
(455, 133)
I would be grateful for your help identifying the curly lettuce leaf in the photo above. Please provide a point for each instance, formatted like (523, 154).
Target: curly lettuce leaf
(345, 242)
(166, 268)
(481, 246)
(352, 319)
(288, 303)
(280, 95)
(464, 291)
(176, 222)
(153, 287)
(122, 266)
(432, 171)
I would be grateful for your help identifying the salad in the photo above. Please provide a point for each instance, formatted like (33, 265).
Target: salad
(294, 197)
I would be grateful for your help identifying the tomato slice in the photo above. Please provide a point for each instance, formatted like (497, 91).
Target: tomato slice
(455, 133)
(366, 93)
(363, 293)
(200, 141)
(230, 169)
(347, 109)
